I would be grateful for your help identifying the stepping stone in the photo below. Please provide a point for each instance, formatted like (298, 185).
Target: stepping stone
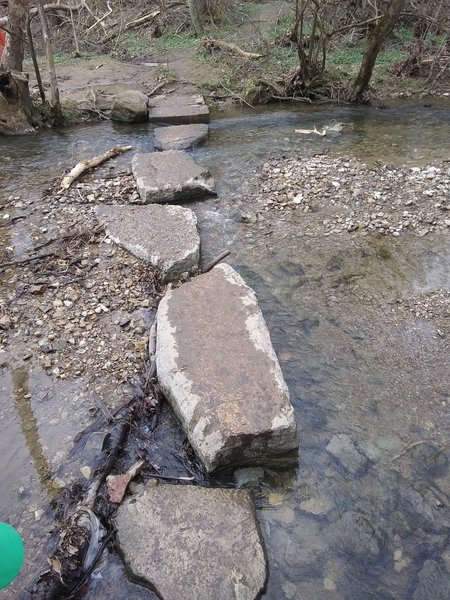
(170, 176)
(217, 367)
(193, 543)
(180, 137)
(182, 109)
(130, 107)
(165, 236)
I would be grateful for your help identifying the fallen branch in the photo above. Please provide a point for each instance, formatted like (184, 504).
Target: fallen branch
(210, 43)
(308, 131)
(131, 25)
(47, 8)
(84, 165)
(70, 236)
(101, 19)
(293, 99)
(216, 261)
(234, 95)
(24, 261)
(156, 88)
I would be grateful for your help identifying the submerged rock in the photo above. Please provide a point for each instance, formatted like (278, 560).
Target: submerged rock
(180, 137)
(217, 366)
(355, 535)
(193, 543)
(434, 582)
(165, 236)
(345, 451)
(130, 107)
(170, 176)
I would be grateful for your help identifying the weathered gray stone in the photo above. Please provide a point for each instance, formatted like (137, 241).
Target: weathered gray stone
(193, 543)
(217, 366)
(130, 107)
(170, 176)
(342, 448)
(178, 109)
(180, 137)
(166, 236)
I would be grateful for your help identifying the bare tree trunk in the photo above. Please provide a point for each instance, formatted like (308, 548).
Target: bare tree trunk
(54, 90)
(198, 10)
(373, 45)
(12, 58)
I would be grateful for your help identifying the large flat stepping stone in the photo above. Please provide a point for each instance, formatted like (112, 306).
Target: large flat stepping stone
(193, 543)
(165, 236)
(170, 176)
(217, 367)
(180, 137)
(178, 109)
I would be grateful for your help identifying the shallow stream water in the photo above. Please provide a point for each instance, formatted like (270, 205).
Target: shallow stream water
(355, 366)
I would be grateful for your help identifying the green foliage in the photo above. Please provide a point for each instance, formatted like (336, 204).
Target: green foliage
(175, 41)
(163, 72)
(63, 57)
(135, 44)
(346, 55)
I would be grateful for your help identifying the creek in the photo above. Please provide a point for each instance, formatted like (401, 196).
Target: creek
(354, 364)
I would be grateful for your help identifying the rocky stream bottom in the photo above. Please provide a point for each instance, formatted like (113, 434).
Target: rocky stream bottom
(330, 245)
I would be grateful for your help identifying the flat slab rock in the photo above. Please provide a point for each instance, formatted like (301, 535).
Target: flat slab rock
(217, 367)
(170, 176)
(193, 543)
(178, 109)
(165, 236)
(180, 137)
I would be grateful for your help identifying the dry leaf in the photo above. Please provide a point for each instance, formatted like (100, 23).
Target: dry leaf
(55, 565)
(117, 484)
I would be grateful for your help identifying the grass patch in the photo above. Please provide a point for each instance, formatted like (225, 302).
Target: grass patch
(134, 44)
(345, 56)
(175, 41)
(163, 72)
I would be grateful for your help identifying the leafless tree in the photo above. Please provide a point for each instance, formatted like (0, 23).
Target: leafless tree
(373, 45)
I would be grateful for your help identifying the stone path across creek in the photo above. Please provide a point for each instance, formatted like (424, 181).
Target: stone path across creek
(216, 366)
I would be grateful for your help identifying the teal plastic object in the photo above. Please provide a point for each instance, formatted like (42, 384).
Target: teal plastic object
(11, 554)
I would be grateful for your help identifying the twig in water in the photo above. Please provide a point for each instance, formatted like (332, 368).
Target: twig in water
(24, 261)
(216, 261)
(237, 96)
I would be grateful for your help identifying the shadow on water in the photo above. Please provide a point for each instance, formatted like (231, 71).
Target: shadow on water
(366, 513)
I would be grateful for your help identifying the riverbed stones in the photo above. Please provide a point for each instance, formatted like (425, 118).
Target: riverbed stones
(180, 137)
(193, 543)
(130, 106)
(170, 176)
(344, 450)
(355, 535)
(178, 109)
(433, 582)
(217, 366)
(165, 236)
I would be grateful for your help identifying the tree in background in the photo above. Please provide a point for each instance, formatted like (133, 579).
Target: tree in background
(372, 48)
(12, 58)
(198, 10)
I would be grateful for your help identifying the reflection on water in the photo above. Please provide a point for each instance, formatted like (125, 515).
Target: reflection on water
(366, 514)
(29, 427)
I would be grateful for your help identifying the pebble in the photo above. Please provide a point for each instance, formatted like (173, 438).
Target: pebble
(353, 196)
